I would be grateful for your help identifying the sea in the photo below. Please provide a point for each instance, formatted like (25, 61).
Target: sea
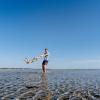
(55, 84)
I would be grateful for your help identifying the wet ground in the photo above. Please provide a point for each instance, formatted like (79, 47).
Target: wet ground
(29, 84)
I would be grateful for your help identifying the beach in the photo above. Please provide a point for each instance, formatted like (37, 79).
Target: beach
(56, 84)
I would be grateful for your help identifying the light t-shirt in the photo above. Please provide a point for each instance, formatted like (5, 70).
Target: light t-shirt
(46, 56)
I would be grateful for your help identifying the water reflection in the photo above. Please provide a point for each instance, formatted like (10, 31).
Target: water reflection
(44, 86)
(44, 82)
(37, 88)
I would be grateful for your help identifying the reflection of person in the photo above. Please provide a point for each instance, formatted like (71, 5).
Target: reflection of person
(44, 87)
(43, 76)
(44, 82)
(45, 61)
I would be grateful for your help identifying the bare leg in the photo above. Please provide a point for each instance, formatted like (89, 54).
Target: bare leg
(44, 68)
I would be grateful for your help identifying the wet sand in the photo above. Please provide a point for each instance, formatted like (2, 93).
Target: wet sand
(30, 84)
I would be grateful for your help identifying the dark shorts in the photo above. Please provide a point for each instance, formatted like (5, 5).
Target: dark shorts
(45, 62)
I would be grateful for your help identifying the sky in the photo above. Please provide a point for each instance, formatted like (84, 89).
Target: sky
(70, 29)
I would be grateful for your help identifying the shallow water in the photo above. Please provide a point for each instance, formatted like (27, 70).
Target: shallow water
(30, 84)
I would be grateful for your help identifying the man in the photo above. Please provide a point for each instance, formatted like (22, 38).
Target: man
(45, 59)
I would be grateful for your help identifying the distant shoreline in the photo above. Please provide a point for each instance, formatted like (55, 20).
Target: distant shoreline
(50, 69)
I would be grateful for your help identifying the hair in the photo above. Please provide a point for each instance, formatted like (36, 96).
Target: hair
(46, 48)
